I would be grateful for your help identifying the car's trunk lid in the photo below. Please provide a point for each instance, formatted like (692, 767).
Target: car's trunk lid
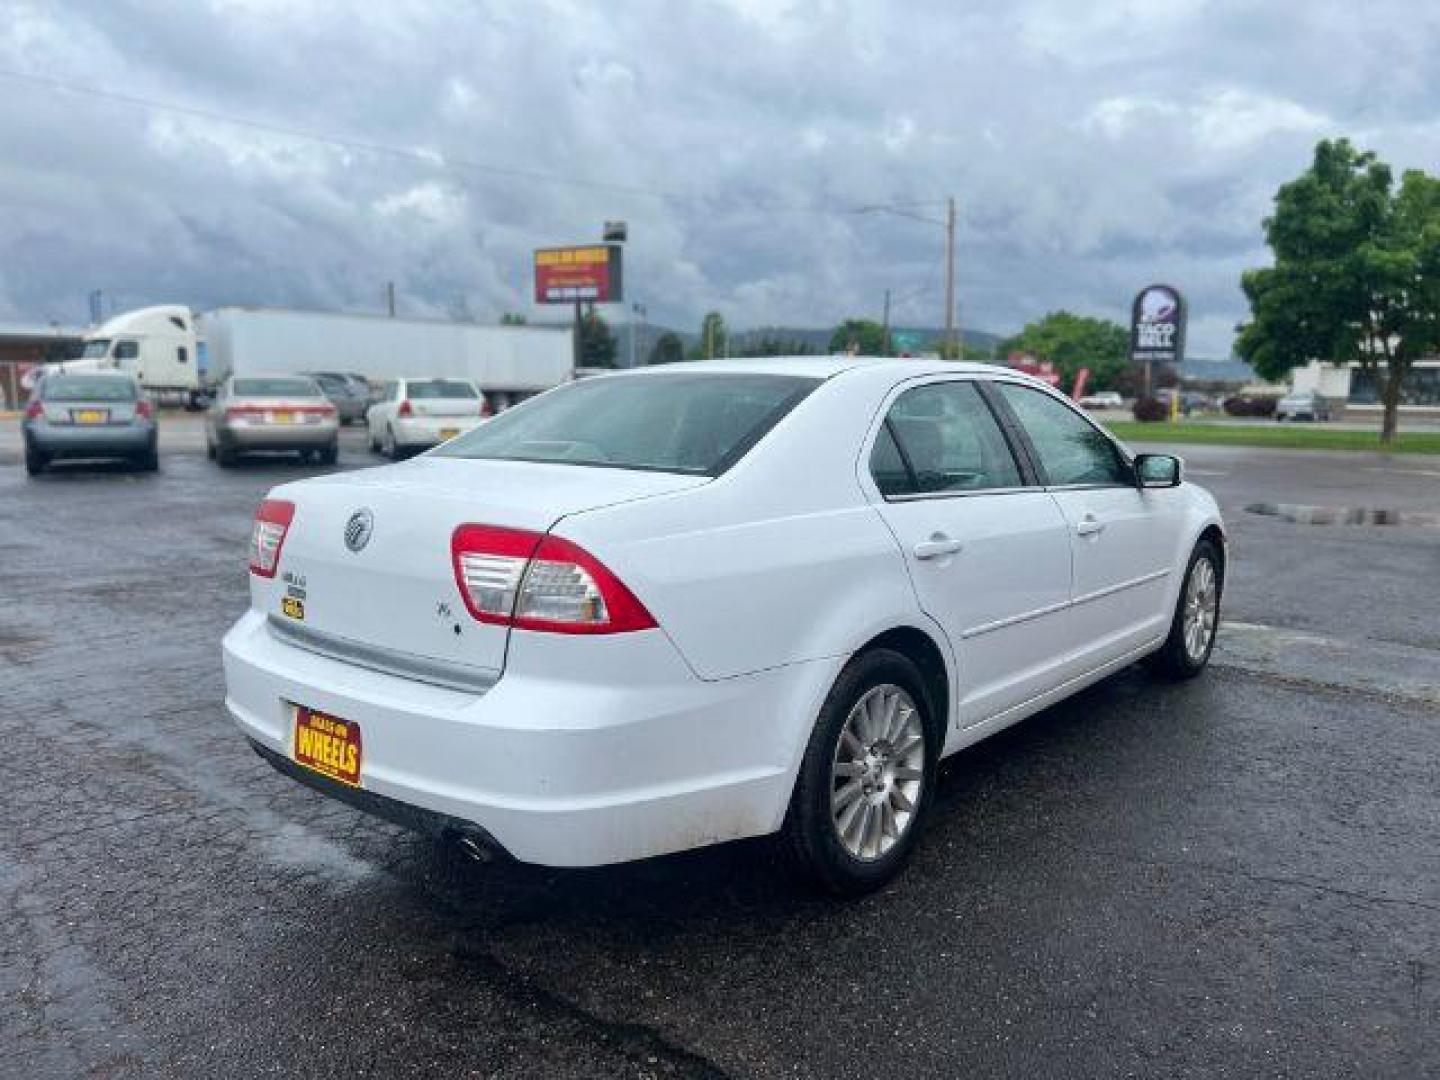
(396, 591)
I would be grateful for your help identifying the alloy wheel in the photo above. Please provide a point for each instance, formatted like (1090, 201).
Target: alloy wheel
(877, 772)
(1202, 608)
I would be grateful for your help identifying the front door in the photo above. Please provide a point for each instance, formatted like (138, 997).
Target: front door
(989, 555)
(1124, 539)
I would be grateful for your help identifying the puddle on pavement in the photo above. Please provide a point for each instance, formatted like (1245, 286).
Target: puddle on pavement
(1342, 515)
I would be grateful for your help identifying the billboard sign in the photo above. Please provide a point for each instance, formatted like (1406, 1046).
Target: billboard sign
(571, 274)
(1157, 326)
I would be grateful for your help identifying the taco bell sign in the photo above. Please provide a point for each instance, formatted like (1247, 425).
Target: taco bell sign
(1157, 326)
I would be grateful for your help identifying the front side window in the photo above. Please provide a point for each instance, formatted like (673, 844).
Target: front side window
(1070, 449)
(687, 423)
(94, 350)
(944, 440)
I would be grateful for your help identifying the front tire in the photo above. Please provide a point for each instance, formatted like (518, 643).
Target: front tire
(866, 779)
(1191, 640)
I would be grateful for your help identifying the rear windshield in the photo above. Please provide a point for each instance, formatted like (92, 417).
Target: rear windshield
(697, 424)
(87, 388)
(274, 388)
(440, 388)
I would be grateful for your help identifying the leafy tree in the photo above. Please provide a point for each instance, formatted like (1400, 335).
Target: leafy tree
(862, 336)
(1072, 342)
(668, 349)
(597, 343)
(513, 318)
(765, 345)
(1356, 274)
(713, 337)
(962, 350)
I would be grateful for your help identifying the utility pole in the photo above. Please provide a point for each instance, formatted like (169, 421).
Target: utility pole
(950, 279)
(885, 327)
(390, 297)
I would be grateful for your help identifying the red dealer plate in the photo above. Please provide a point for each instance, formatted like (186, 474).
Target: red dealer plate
(328, 745)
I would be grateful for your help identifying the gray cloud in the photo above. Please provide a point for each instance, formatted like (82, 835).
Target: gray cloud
(1092, 147)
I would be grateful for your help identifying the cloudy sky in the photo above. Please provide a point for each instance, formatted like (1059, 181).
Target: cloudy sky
(1092, 147)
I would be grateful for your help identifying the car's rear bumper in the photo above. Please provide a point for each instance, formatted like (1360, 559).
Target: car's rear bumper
(279, 436)
(587, 751)
(81, 441)
(425, 431)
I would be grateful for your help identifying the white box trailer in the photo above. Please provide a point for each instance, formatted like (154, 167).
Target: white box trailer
(509, 361)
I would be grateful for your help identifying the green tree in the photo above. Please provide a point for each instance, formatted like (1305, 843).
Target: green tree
(1072, 342)
(865, 337)
(597, 343)
(513, 318)
(714, 338)
(962, 350)
(1356, 274)
(668, 349)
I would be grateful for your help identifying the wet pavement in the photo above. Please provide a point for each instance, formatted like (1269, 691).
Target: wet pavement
(1239, 876)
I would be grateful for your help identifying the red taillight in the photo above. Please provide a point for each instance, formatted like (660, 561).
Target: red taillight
(34, 410)
(267, 537)
(533, 581)
(233, 411)
(405, 409)
(144, 408)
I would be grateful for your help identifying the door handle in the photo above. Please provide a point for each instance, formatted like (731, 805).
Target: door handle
(1089, 525)
(939, 544)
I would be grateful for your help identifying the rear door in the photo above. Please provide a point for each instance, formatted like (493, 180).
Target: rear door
(1124, 539)
(988, 553)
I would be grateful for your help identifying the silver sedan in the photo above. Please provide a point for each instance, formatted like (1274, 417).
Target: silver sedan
(89, 416)
(284, 413)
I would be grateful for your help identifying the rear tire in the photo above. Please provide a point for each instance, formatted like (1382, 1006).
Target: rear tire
(149, 461)
(1191, 640)
(388, 446)
(866, 780)
(35, 461)
(224, 456)
(330, 454)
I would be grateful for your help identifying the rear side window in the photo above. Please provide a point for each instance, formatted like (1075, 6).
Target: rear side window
(440, 389)
(698, 424)
(1071, 451)
(127, 350)
(947, 441)
(275, 388)
(86, 388)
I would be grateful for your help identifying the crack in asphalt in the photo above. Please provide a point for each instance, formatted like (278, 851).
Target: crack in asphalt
(642, 1045)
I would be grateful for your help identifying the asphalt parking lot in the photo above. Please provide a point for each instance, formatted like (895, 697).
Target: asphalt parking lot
(1239, 876)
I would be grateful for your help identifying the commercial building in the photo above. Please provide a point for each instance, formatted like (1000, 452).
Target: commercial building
(23, 345)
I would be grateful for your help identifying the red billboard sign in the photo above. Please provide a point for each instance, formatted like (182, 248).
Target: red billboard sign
(572, 274)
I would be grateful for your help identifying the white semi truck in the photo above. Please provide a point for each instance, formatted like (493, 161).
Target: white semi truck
(174, 352)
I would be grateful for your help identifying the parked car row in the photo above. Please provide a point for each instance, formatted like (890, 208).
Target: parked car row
(106, 415)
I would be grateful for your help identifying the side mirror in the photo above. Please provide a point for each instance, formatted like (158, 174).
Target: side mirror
(1157, 471)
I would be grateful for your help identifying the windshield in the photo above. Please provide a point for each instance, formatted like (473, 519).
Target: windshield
(697, 424)
(440, 388)
(95, 349)
(274, 388)
(87, 388)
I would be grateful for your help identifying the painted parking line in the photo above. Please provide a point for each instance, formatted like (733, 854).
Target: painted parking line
(1404, 472)
(1361, 665)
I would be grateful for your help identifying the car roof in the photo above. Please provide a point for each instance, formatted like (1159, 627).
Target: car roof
(823, 367)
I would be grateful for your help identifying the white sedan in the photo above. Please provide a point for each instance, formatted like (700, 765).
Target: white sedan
(656, 610)
(416, 414)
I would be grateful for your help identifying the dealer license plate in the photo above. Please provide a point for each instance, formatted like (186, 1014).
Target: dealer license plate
(328, 745)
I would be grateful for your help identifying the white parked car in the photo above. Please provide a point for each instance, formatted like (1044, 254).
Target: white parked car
(1105, 399)
(651, 611)
(416, 414)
